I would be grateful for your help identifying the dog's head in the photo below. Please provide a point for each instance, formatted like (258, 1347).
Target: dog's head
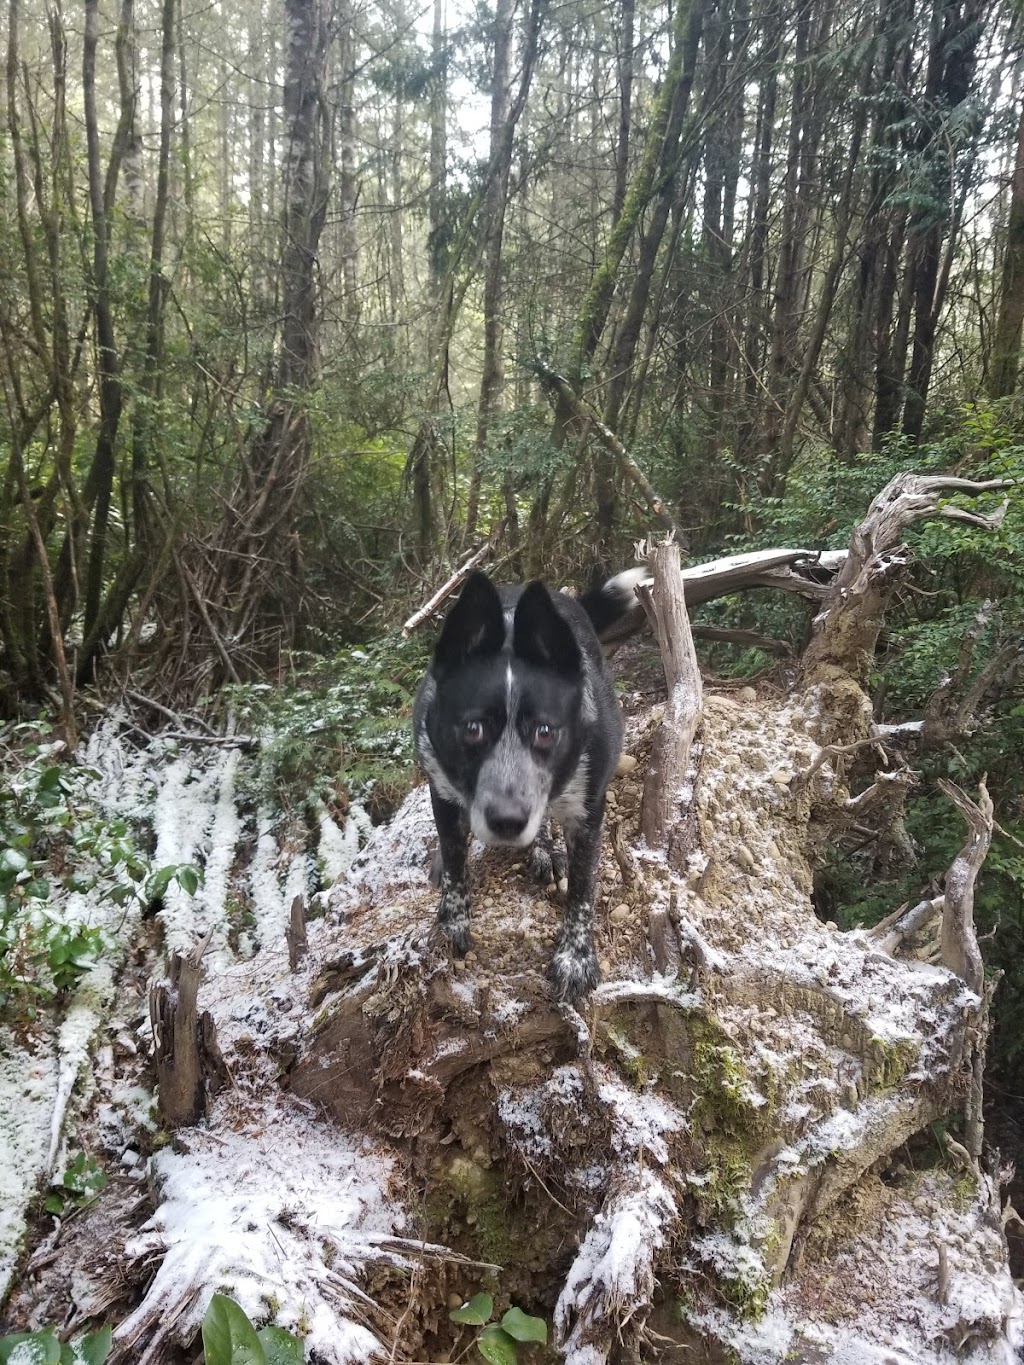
(503, 719)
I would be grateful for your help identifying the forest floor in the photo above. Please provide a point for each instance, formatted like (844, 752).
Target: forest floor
(483, 1127)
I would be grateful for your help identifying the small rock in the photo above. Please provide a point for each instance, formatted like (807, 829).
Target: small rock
(782, 776)
(454, 1300)
(747, 694)
(773, 849)
(605, 966)
(832, 926)
(471, 956)
(626, 764)
(458, 966)
(488, 902)
(745, 858)
(620, 914)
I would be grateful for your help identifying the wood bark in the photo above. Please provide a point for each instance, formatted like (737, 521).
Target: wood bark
(669, 765)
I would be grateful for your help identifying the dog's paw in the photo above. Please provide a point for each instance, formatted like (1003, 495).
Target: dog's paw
(451, 929)
(541, 865)
(574, 972)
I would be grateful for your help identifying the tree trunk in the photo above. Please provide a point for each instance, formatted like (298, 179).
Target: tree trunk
(1002, 380)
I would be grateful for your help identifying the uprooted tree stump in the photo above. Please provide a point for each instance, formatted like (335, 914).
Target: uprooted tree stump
(707, 1137)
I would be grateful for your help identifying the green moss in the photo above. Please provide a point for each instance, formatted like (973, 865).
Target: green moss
(891, 1062)
(478, 1196)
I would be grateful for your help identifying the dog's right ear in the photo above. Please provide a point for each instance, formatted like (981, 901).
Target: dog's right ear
(474, 627)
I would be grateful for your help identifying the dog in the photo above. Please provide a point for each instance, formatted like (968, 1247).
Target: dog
(516, 722)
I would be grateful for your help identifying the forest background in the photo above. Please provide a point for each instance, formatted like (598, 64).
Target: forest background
(303, 302)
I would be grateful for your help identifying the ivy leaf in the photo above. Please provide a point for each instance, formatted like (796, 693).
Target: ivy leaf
(496, 1346)
(524, 1328)
(30, 1348)
(280, 1347)
(476, 1312)
(229, 1338)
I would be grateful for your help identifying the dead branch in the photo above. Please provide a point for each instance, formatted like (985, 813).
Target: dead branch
(748, 639)
(846, 631)
(670, 757)
(891, 932)
(459, 576)
(960, 952)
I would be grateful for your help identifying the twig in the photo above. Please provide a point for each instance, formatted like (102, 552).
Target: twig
(428, 608)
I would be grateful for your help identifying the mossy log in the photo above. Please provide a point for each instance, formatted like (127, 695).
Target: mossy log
(702, 1158)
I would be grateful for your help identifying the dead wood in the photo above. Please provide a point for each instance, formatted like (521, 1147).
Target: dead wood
(458, 577)
(670, 755)
(960, 951)
(295, 933)
(846, 629)
(188, 1060)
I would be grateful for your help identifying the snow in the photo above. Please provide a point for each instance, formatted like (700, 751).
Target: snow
(277, 1210)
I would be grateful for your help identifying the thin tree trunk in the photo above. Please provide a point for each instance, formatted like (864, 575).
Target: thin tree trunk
(1006, 342)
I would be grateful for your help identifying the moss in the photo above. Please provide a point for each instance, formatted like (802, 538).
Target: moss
(478, 1195)
(890, 1062)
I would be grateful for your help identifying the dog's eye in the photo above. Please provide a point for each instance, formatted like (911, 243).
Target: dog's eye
(473, 731)
(544, 736)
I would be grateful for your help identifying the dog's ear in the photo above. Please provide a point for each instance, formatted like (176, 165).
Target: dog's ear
(474, 627)
(541, 636)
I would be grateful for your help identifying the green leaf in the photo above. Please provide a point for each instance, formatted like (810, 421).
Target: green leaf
(188, 880)
(14, 859)
(54, 1204)
(38, 889)
(159, 882)
(524, 1328)
(281, 1347)
(229, 1338)
(496, 1346)
(33, 1348)
(89, 1350)
(50, 780)
(476, 1312)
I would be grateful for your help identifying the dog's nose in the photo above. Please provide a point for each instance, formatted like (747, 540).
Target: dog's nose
(507, 822)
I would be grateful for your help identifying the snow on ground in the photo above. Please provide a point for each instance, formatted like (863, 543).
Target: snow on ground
(278, 1163)
(278, 1211)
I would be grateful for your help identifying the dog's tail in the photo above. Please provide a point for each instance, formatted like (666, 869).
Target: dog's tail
(615, 603)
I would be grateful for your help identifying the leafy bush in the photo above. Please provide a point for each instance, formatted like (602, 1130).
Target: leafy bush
(342, 726)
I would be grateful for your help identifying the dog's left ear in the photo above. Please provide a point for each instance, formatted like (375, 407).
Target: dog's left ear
(541, 636)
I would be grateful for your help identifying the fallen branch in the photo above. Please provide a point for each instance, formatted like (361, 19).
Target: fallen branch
(459, 576)
(890, 933)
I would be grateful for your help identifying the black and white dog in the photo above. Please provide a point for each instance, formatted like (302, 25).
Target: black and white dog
(517, 721)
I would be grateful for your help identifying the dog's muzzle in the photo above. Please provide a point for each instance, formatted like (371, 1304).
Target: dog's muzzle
(510, 823)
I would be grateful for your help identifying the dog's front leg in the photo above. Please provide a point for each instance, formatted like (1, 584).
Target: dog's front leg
(574, 969)
(453, 838)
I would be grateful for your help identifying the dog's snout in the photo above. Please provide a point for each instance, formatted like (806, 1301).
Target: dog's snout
(507, 821)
